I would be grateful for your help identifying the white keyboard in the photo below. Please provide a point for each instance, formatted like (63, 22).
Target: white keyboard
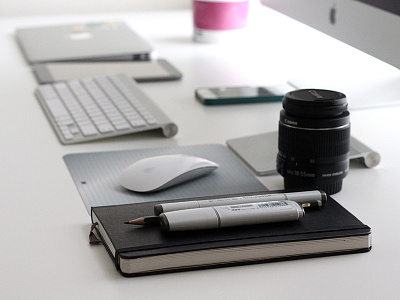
(100, 107)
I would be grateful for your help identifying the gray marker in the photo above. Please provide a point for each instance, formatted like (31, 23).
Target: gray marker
(231, 215)
(225, 216)
(306, 198)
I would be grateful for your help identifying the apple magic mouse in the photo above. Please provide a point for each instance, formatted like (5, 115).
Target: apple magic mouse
(160, 172)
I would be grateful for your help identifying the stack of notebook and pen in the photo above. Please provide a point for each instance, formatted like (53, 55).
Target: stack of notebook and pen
(140, 250)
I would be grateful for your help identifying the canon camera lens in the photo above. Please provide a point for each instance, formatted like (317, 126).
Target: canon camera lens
(314, 140)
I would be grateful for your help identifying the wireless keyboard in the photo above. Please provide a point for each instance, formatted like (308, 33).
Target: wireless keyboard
(100, 107)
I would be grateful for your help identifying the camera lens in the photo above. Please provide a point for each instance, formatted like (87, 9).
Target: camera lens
(314, 140)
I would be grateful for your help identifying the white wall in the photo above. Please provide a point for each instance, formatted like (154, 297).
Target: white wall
(9, 8)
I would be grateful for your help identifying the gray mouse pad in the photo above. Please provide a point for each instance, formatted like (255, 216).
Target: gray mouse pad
(96, 176)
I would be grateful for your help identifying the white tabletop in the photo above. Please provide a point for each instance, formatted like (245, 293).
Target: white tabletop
(44, 225)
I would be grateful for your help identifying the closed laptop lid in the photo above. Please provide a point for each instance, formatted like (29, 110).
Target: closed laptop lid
(82, 42)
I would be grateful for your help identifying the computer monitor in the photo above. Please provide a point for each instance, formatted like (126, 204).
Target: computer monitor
(372, 26)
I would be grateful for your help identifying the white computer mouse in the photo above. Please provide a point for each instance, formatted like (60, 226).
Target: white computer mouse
(160, 172)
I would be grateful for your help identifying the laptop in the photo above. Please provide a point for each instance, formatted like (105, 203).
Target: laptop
(98, 41)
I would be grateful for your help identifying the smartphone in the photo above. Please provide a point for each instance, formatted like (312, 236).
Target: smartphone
(141, 71)
(245, 94)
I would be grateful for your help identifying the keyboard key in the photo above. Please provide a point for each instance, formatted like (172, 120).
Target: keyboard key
(74, 130)
(68, 135)
(57, 108)
(105, 128)
(122, 127)
(88, 130)
(138, 123)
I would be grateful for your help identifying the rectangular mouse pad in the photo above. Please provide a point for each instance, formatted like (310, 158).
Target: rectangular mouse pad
(96, 176)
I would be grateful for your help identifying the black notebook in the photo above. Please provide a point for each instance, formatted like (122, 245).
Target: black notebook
(142, 250)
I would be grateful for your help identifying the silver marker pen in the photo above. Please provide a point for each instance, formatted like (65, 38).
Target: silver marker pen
(313, 198)
(231, 215)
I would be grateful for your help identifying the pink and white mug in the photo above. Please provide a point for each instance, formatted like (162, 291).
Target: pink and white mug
(215, 20)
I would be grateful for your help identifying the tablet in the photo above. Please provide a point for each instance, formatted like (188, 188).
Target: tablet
(141, 71)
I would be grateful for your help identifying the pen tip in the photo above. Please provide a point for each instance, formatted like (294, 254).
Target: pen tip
(138, 221)
(152, 220)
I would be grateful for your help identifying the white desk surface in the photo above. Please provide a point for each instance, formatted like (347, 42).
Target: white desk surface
(44, 225)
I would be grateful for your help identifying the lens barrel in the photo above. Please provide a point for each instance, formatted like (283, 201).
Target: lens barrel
(314, 140)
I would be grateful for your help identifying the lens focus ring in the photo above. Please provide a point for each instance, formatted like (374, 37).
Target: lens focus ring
(313, 144)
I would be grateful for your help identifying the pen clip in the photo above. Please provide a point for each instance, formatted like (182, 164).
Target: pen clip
(314, 203)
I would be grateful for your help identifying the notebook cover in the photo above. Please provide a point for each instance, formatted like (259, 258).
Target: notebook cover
(330, 221)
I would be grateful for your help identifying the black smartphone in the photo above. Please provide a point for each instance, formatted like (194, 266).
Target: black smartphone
(245, 94)
(140, 71)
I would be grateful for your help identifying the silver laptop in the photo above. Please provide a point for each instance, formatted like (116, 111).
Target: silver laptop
(82, 42)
